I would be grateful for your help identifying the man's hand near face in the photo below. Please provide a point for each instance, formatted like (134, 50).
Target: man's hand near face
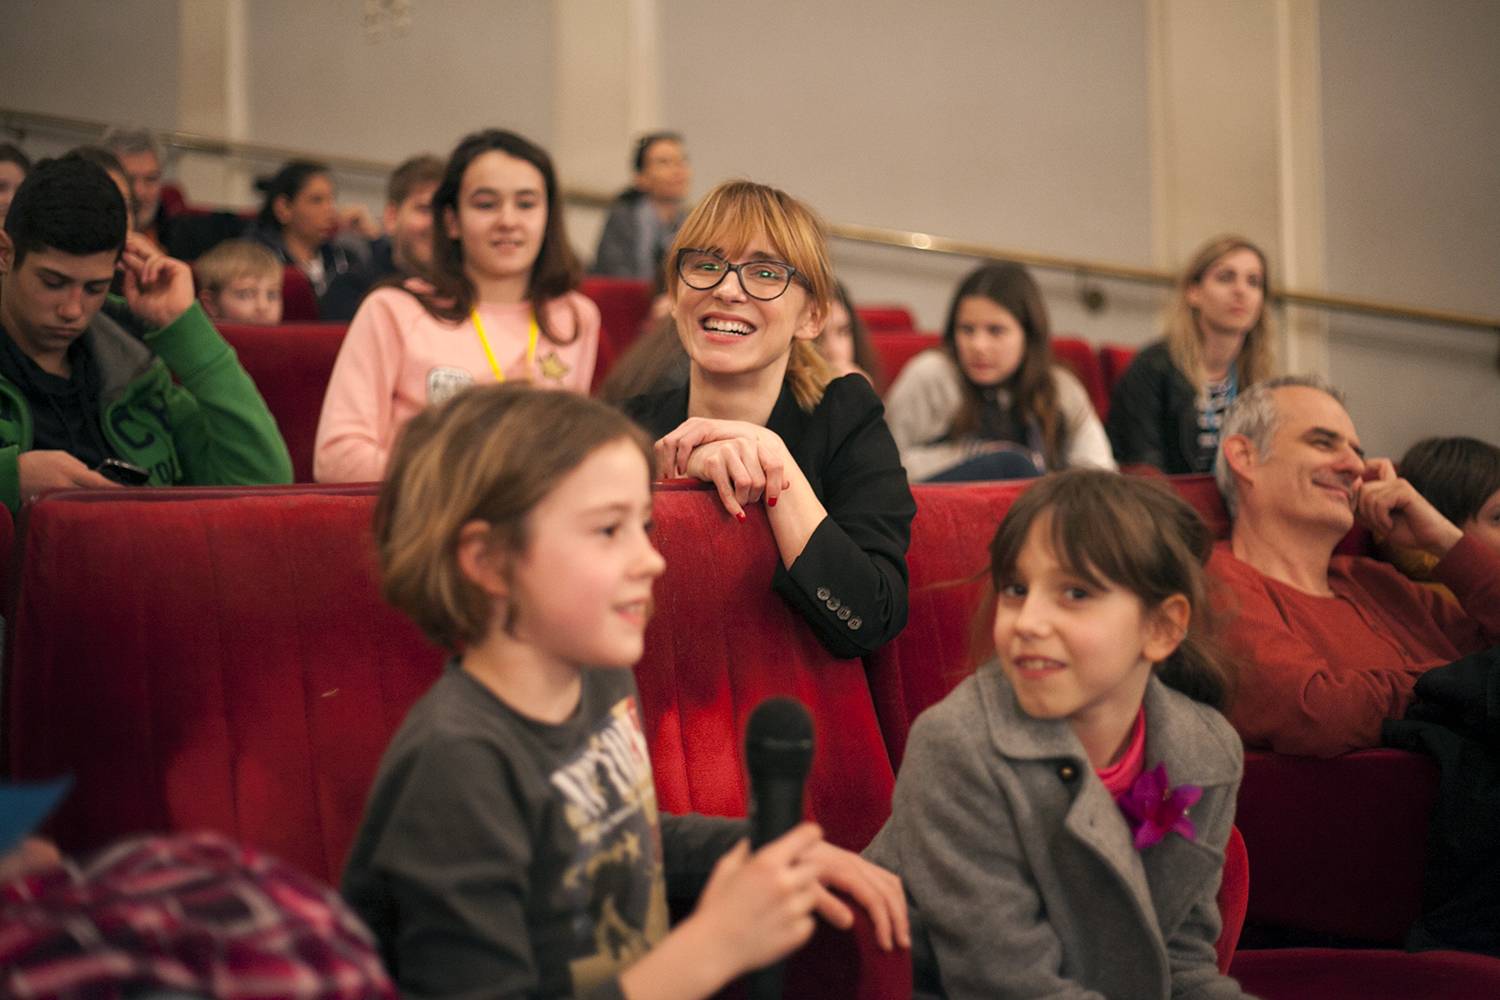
(1392, 508)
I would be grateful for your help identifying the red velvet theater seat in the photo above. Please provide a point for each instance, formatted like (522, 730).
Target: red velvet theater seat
(948, 561)
(1234, 896)
(208, 659)
(1113, 361)
(624, 304)
(243, 647)
(1339, 844)
(220, 659)
(1346, 974)
(895, 349)
(1080, 358)
(721, 641)
(882, 319)
(299, 303)
(290, 365)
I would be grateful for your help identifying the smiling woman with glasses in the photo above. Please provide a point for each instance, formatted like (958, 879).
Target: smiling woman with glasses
(764, 420)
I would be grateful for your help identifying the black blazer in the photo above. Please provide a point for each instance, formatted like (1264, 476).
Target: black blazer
(850, 581)
(1153, 416)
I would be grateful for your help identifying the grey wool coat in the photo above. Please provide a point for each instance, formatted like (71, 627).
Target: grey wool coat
(1020, 869)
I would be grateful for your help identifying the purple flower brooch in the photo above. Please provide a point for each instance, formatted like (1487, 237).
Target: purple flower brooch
(1153, 810)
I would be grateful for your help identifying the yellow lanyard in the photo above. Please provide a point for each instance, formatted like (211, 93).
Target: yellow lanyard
(532, 332)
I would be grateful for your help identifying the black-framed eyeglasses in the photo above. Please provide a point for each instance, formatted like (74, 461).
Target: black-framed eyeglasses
(761, 279)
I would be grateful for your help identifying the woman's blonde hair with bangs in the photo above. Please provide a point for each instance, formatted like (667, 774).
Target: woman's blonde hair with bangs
(728, 219)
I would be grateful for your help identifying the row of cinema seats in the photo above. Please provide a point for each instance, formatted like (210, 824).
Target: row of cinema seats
(216, 658)
(291, 362)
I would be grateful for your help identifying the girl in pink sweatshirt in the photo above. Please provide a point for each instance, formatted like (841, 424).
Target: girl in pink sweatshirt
(500, 306)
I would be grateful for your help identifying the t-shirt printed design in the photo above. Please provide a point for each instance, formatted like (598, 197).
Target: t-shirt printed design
(443, 383)
(614, 885)
(552, 367)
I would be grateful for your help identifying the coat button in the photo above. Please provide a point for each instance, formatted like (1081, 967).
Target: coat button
(824, 593)
(854, 624)
(833, 603)
(843, 614)
(1067, 772)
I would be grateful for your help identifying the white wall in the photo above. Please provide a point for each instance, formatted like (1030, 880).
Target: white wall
(1412, 153)
(317, 81)
(1002, 121)
(115, 61)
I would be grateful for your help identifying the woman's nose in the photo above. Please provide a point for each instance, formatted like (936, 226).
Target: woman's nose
(724, 290)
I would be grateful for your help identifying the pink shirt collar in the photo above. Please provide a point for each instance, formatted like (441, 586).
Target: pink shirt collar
(1119, 776)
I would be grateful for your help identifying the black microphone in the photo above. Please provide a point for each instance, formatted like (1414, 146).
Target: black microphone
(778, 754)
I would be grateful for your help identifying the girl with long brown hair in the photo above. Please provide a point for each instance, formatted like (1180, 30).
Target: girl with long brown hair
(991, 403)
(498, 305)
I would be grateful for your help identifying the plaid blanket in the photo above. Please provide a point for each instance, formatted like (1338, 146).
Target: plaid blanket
(195, 913)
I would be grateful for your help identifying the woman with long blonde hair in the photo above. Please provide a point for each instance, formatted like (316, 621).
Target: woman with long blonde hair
(763, 418)
(1165, 411)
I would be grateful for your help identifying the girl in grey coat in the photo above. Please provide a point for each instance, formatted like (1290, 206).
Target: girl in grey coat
(1060, 818)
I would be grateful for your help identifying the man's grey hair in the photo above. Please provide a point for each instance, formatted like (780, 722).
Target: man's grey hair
(131, 140)
(1253, 414)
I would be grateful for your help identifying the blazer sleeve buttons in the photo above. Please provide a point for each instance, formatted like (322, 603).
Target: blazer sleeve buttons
(841, 610)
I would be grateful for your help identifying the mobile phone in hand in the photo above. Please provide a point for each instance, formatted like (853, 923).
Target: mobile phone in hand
(123, 473)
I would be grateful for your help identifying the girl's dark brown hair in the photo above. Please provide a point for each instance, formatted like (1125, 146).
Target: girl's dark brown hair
(1133, 533)
(1456, 474)
(492, 453)
(287, 183)
(1033, 389)
(555, 272)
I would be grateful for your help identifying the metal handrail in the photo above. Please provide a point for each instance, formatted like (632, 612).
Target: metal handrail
(18, 121)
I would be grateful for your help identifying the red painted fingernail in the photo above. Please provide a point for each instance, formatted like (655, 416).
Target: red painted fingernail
(740, 515)
(771, 502)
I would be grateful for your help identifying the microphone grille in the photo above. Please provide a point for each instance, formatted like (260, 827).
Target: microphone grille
(779, 736)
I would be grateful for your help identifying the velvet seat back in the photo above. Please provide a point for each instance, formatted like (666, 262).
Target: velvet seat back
(290, 365)
(721, 641)
(205, 659)
(897, 347)
(1079, 355)
(624, 304)
(949, 565)
(222, 659)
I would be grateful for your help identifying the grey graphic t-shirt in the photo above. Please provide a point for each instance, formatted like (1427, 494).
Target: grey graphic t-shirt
(500, 856)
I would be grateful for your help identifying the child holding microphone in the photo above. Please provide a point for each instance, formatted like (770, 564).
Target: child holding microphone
(511, 844)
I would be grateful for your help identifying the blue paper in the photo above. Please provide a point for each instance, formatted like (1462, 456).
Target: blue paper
(24, 806)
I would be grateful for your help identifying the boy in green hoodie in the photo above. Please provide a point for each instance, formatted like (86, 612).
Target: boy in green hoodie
(83, 401)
